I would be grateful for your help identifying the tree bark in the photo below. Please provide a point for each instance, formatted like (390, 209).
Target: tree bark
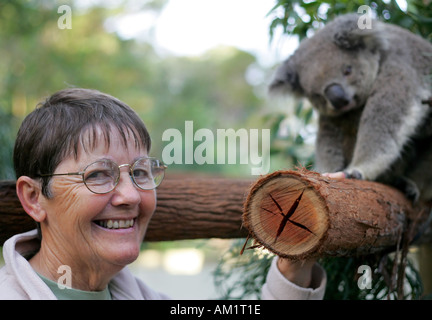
(302, 215)
(186, 209)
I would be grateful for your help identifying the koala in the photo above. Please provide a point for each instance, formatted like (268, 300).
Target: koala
(369, 88)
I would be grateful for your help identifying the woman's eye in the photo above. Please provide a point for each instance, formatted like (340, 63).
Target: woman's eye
(98, 175)
(140, 174)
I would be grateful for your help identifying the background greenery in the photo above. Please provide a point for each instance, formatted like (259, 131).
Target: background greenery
(37, 58)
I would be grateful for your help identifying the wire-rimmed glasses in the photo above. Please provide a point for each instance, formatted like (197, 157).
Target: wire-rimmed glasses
(102, 176)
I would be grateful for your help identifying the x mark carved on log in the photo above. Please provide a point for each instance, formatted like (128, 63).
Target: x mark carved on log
(287, 216)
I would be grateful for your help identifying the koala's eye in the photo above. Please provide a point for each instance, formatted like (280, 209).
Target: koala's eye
(347, 70)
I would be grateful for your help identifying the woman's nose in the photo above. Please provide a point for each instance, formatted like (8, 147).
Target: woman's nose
(126, 193)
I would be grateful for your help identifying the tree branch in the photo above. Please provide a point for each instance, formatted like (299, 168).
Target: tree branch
(333, 217)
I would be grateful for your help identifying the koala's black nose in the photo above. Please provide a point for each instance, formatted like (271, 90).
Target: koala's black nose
(336, 95)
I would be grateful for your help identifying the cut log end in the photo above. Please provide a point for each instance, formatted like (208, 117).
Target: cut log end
(303, 215)
(285, 215)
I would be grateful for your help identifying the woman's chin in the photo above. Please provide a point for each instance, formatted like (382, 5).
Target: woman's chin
(121, 247)
(119, 251)
(122, 256)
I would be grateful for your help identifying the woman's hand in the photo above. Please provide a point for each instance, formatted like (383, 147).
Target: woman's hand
(297, 272)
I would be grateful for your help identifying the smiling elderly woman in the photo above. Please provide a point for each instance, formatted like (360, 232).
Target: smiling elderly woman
(74, 158)
(85, 176)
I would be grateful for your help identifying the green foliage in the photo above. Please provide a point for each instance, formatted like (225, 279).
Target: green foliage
(294, 147)
(299, 18)
(241, 276)
(7, 135)
(343, 279)
(38, 58)
(197, 89)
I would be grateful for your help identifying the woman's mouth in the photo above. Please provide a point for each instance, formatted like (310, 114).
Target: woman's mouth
(116, 224)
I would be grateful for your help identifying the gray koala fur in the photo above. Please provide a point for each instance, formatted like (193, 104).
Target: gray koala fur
(367, 86)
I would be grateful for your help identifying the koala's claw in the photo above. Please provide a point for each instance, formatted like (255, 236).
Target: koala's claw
(353, 174)
(413, 194)
(408, 187)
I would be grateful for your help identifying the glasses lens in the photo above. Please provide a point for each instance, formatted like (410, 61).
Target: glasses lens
(148, 173)
(101, 176)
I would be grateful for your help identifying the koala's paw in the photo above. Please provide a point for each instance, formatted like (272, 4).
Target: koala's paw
(353, 174)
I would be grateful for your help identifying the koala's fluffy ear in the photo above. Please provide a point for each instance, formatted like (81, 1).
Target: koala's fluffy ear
(286, 79)
(351, 37)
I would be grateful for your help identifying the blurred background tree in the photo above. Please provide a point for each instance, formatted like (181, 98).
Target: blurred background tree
(38, 58)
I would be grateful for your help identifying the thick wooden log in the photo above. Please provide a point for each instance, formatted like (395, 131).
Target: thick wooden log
(13, 218)
(186, 209)
(302, 215)
(199, 208)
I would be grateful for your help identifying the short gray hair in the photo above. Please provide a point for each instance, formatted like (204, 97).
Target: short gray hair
(55, 129)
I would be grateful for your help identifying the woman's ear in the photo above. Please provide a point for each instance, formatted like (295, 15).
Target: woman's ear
(29, 194)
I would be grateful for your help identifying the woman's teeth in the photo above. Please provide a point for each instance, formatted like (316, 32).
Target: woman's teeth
(116, 224)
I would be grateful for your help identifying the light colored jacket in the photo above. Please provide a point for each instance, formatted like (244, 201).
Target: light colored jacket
(277, 287)
(18, 280)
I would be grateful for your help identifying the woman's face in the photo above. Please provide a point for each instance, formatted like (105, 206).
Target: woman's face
(75, 217)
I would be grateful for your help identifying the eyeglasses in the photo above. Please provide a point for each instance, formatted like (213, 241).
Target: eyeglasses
(103, 176)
